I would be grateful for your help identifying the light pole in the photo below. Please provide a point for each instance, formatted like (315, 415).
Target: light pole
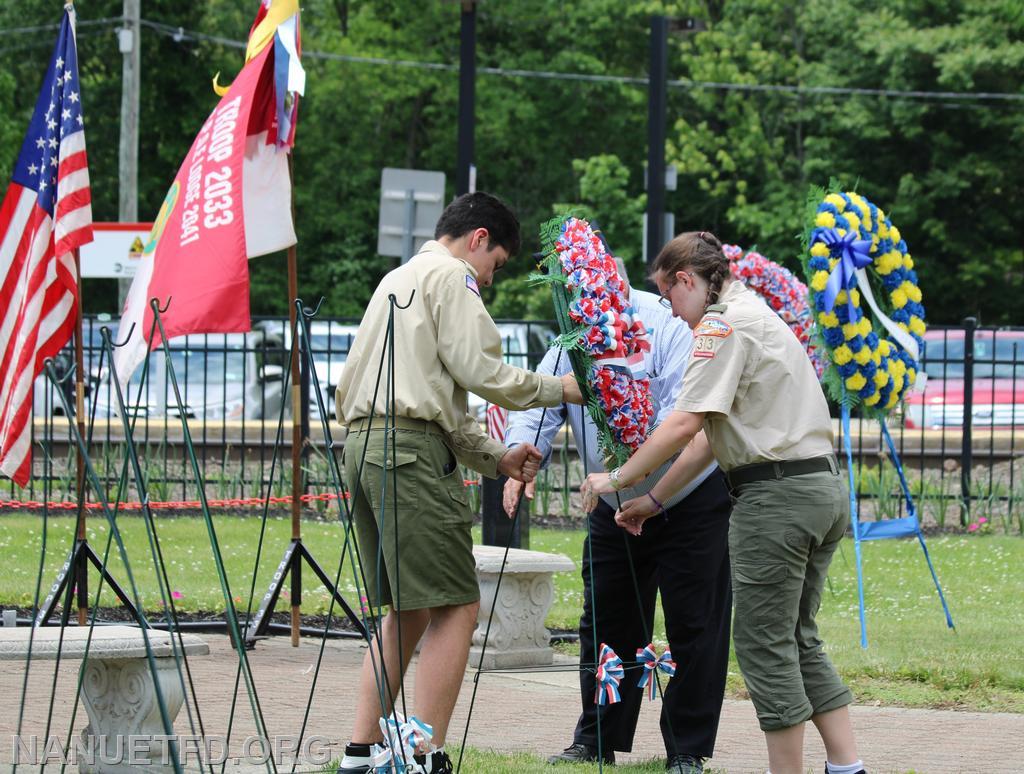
(465, 179)
(128, 40)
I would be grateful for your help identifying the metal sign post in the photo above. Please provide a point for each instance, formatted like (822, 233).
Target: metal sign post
(411, 201)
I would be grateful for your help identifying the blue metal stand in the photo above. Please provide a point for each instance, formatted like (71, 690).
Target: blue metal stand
(908, 526)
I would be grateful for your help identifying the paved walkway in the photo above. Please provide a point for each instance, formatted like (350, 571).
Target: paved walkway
(524, 712)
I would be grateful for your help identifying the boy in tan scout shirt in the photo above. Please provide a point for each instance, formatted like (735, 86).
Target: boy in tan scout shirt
(751, 387)
(445, 345)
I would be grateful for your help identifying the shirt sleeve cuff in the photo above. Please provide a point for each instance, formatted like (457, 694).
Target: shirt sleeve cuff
(550, 390)
(484, 458)
(701, 407)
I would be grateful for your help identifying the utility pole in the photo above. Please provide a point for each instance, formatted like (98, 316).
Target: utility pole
(129, 43)
(657, 96)
(465, 172)
(496, 527)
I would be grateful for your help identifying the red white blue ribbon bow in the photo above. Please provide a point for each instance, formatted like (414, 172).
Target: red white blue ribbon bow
(652, 662)
(402, 739)
(609, 675)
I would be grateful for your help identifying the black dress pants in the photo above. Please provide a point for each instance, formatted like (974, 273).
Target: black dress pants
(686, 556)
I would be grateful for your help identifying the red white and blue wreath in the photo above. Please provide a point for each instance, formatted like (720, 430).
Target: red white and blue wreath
(601, 332)
(605, 341)
(782, 291)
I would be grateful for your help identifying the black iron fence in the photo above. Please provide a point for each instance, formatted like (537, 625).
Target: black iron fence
(959, 438)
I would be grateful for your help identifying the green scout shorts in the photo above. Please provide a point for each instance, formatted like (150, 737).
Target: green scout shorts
(411, 508)
(782, 535)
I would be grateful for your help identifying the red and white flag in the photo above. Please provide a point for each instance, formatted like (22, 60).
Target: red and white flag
(46, 215)
(230, 201)
(497, 422)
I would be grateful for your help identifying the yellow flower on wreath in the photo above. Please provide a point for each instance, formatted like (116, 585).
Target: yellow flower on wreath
(842, 355)
(856, 382)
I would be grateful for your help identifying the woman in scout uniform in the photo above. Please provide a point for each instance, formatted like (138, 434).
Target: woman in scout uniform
(752, 389)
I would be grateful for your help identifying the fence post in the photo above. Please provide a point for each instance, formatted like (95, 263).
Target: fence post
(966, 462)
(497, 526)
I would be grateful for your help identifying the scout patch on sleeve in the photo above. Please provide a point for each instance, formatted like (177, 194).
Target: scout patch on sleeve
(704, 346)
(471, 284)
(712, 326)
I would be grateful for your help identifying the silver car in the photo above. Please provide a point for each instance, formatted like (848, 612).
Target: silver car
(220, 376)
(329, 344)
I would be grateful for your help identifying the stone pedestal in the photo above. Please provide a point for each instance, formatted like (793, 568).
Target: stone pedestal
(518, 636)
(125, 725)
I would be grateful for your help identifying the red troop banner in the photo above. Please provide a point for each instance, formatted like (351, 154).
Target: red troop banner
(230, 201)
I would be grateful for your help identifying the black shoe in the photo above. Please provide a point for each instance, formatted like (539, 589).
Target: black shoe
(582, 753)
(436, 762)
(683, 763)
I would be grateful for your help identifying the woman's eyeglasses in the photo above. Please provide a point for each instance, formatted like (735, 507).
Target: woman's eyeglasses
(666, 300)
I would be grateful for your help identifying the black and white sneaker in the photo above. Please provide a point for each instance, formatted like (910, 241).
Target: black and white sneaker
(358, 758)
(436, 762)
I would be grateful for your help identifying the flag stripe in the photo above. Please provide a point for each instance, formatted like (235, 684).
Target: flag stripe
(47, 330)
(26, 320)
(17, 208)
(16, 283)
(19, 446)
(80, 199)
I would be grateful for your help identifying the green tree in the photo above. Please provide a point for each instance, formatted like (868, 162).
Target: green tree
(944, 169)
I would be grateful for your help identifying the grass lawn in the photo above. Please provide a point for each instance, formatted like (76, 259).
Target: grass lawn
(913, 659)
(518, 763)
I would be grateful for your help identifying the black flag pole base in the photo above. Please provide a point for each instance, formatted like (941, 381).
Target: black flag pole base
(291, 565)
(76, 567)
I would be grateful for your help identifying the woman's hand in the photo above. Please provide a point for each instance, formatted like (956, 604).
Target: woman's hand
(596, 484)
(633, 513)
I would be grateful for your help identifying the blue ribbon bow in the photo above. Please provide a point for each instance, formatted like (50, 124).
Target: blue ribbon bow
(853, 254)
(609, 674)
(402, 739)
(652, 662)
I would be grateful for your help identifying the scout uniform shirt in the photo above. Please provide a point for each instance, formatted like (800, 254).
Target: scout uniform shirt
(751, 376)
(445, 345)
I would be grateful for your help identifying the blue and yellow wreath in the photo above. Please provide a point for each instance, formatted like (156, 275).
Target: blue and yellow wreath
(854, 253)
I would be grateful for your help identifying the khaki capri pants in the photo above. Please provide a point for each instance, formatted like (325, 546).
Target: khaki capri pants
(782, 536)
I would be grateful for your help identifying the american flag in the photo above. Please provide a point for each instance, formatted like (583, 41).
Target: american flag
(45, 216)
(497, 422)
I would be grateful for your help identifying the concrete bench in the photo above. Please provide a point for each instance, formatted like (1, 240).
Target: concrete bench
(117, 687)
(518, 636)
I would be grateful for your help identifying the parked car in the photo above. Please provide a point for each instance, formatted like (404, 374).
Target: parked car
(998, 384)
(329, 343)
(44, 394)
(220, 376)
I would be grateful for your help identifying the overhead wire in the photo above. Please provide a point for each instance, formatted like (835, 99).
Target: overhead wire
(181, 34)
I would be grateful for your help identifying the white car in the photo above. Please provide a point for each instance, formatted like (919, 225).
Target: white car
(329, 343)
(226, 376)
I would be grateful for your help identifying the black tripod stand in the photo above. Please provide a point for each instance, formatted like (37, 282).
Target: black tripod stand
(296, 554)
(77, 566)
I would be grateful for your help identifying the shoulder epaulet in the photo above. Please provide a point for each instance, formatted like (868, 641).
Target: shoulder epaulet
(720, 308)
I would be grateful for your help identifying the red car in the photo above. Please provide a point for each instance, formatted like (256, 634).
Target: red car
(998, 380)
